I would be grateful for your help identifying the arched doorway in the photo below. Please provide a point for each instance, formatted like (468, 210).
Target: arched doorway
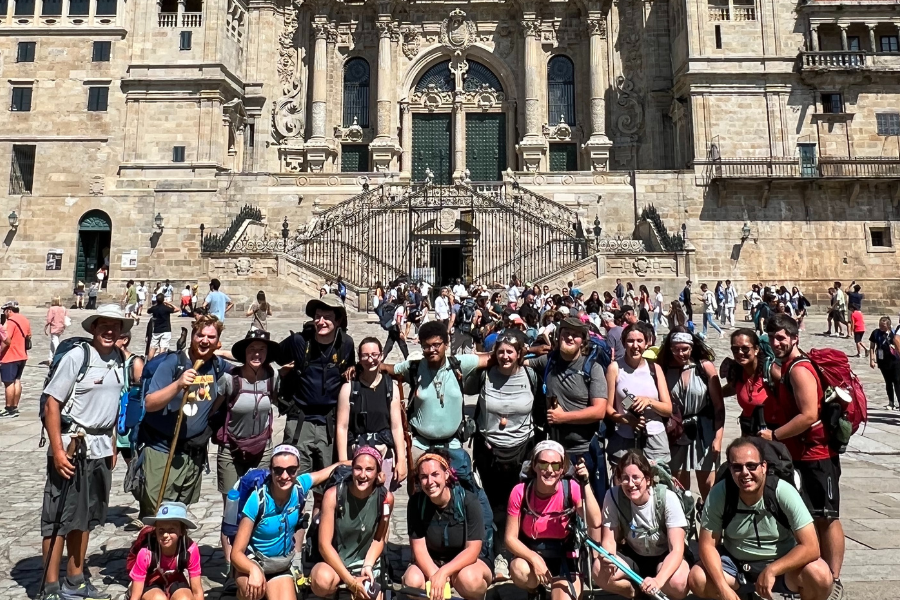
(459, 122)
(93, 249)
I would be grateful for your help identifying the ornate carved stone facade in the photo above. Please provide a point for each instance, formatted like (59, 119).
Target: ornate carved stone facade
(773, 116)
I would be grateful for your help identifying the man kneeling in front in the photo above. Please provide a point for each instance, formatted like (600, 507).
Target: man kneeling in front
(769, 543)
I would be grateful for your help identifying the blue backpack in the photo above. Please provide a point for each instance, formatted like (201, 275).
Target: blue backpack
(252, 482)
(599, 352)
(131, 404)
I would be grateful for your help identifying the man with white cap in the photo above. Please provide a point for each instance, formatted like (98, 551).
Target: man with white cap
(82, 399)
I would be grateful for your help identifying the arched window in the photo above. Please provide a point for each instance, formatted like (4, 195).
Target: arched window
(439, 75)
(356, 92)
(478, 75)
(561, 90)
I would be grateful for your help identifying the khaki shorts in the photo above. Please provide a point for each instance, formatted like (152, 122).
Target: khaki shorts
(160, 341)
(183, 485)
(229, 468)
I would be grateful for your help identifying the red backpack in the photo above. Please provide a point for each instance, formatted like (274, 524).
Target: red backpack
(146, 538)
(844, 407)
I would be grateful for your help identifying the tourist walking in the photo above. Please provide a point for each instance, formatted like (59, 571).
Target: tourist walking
(81, 455)
(259, 311)
(13, 355)
(93, 291)
(709, 308)
(142, 293)
(79, 295)
(884, 351)
(658, 316)
(217, 303)
(161, 332)
(55, 325)
(398, 331)
(130, 299)
(730, 303)
(687, 301)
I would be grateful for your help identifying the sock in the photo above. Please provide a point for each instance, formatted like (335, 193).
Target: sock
(51, 588)
(75, 580)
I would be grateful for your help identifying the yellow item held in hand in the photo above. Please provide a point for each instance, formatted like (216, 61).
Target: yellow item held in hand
(446, 589)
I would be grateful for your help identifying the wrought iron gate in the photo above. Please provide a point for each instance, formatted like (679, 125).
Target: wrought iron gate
(385, 233)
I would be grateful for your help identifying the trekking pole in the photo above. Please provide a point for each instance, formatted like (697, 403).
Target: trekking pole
(57, 521)
(165, 478)
(622, 566)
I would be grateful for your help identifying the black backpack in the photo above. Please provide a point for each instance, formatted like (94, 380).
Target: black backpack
(780, 467)
(385, 313)
(465, 317)
(65, 346)
(339, 479)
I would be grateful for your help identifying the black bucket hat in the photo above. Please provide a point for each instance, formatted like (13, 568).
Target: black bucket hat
(273, 350)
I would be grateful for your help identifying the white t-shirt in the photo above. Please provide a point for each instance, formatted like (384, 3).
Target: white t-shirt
(142, 293)
(512, 294)
(644, 518)
(400, 312)
(459, 290)
(658, 302)
(442, 308)
(709, 301)
(168, 291)
(424, 288)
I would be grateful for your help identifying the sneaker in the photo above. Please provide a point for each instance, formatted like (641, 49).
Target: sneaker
(501, 568)
(51, 596)
(837, 591)
(9, 413)
(134, 525)
(83, 591)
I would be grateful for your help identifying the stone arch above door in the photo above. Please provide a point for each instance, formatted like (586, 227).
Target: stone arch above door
(437, 54)
(95, 220)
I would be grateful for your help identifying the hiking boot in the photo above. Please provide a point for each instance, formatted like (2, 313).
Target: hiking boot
(501, 568)
(134, 525)
(83, 591)
(9, 413)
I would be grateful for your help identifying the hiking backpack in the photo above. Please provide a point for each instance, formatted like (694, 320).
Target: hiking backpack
(599, 352)
(252, 482)
(254, 445)
(64, 347)
(339, 479)
(844, 406)
(568, 508)
(385, 313)
(465, 316)
(780, 465)
(466, 425)
(146, 538)
(131, 403)
(662, 481)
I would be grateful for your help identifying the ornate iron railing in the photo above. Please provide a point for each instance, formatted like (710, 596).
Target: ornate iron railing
(847, 167)
(670, 243)
(218, 242)
(780, 167)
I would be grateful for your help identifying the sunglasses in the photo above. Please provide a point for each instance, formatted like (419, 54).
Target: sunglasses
(543, 465)
(741, 349)
(737, 468)
(291, 471)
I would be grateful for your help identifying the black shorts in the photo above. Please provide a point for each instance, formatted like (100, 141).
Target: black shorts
(169, 589)
(858, 336)
(86, 501)
(645, 566)
(12, 371)
(820, 480)
(749, 575)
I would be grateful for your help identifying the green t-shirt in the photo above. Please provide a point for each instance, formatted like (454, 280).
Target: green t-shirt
(429, 418)
(767, 540)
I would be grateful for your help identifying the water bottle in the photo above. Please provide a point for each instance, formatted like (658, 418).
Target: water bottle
(231, 508)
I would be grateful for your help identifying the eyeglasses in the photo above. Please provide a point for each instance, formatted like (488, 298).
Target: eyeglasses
(635, 480)
(568, 333)
(543, 465)
(370, 356)
(436, 346)
(291, 471)
(323, 318)
(739, 467)
(741, 349)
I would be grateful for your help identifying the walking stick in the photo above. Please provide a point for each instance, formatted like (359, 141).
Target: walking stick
(184, 397)
(622, 566)
(57, 522)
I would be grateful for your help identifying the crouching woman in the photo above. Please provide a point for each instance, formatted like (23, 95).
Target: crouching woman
(540, 528)
(353, 529)
(159, 567)
(645, 525)
(445, 532)
(263, 548)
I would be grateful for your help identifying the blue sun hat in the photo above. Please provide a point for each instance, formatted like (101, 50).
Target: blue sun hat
(171, 511)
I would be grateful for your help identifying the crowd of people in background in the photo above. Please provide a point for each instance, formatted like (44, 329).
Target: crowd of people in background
(595, 417)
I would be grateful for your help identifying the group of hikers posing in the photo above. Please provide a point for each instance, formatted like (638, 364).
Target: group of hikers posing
(548, 422)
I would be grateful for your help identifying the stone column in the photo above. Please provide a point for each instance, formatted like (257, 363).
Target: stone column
(814, 37)
(872, 47)
(533, 147)
(384, 147)
(317, 147)
(598, 145)
(406, 143)
(459, 137)
(179, 18)
(844, 45)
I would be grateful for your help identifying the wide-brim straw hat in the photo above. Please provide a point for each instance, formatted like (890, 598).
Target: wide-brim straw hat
(109, 311)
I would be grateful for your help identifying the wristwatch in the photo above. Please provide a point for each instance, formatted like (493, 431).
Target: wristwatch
(774, 437)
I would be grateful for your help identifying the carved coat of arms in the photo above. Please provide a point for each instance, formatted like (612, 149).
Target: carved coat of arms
(457, 31)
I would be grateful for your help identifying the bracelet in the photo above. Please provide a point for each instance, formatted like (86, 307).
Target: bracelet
(774, 437)
(367, 565)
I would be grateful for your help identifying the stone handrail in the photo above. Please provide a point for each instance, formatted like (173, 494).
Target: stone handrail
(840, 59)
(168, 20)
(192, 19)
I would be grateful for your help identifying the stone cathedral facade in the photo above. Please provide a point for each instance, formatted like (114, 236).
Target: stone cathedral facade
(277, 143)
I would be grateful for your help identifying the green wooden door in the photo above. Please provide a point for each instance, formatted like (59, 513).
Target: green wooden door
(563, 157)
(94, 234)
(354, 158)
(485, 146)
(431, 147)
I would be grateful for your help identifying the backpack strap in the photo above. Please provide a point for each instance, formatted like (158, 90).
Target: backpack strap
(625, 513)
(456, 367)
(413, 381)
(532, 378)
(770, 500)
(659, 505)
